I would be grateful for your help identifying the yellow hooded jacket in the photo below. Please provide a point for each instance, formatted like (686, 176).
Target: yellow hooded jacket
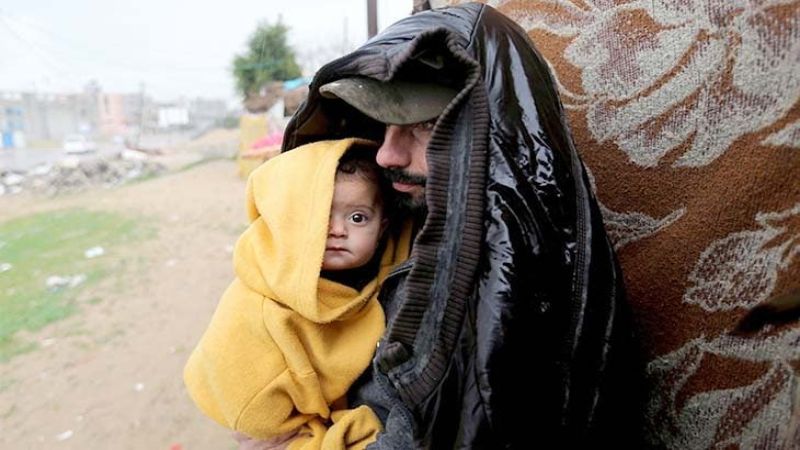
(285, 344)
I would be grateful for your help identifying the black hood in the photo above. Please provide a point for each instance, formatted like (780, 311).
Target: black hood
(512, 266)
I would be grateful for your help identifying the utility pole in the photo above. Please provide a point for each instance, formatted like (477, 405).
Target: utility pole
(372, 18)
(141, 115)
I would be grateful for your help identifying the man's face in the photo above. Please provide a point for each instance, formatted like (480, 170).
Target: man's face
(403, 155)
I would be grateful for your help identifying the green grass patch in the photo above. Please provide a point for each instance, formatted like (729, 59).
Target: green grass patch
(53, 244)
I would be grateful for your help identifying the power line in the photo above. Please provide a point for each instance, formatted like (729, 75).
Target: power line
(43, 55)
(105, 61)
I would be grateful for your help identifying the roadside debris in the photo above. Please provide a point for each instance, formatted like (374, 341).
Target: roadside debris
(94, 252)
(12, 179)
(56, 282)
(5, 267)
(65, 435)
(73, 174)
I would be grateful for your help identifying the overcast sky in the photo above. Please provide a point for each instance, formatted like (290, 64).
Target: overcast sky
(176, 48)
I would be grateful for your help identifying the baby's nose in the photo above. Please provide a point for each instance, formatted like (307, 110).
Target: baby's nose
(336, 227)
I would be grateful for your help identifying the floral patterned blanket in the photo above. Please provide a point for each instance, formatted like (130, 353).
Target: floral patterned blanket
(687, 114)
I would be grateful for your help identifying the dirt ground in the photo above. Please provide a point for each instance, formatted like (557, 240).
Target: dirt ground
(110, 375)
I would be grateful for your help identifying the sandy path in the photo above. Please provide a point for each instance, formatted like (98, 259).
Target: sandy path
(110, 376)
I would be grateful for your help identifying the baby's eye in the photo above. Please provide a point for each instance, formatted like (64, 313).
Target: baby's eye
(358, 218)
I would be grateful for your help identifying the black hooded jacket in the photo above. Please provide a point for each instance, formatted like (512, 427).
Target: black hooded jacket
(508, 328)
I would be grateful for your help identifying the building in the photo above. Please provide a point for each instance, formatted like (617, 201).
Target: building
(12, 128)
(39, 118)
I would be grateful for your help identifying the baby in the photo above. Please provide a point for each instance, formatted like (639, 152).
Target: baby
(301, 321)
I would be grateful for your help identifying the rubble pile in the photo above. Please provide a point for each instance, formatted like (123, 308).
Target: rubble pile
(74, 174)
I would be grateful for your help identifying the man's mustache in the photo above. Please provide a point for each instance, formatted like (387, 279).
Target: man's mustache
(399, 176)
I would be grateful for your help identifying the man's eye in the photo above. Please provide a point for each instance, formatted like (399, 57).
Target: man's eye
(425, 126)
(423, 130)
(358, 218)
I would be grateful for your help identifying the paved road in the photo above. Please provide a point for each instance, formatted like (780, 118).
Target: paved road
(21, 160)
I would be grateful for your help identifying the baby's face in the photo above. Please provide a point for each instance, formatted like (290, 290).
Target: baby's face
(355, 224)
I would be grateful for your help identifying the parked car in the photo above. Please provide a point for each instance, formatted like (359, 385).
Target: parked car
(78, 143)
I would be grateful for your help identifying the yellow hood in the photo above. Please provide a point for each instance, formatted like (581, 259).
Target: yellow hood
(279, 256)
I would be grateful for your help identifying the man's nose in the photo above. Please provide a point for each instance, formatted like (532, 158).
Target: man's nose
(393, 152)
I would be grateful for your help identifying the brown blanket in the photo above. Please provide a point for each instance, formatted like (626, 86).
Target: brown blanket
(687, 113)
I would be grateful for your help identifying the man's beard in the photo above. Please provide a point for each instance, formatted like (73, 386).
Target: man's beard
(406, 202)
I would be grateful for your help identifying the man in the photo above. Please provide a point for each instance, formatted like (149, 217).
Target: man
(510, 267)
